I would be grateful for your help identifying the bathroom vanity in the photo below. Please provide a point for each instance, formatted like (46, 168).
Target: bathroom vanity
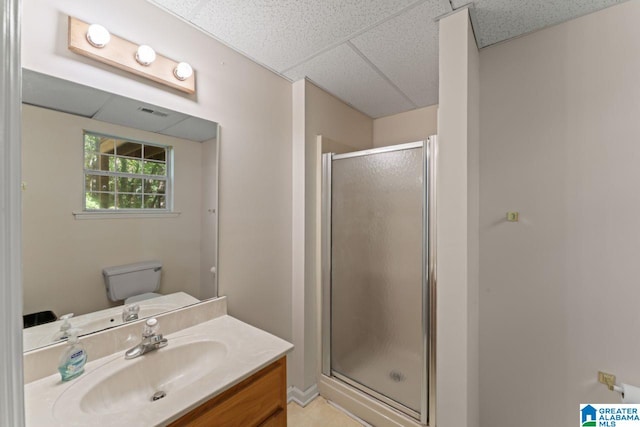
(215, 370)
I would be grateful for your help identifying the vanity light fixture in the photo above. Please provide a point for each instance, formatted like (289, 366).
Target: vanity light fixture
(98, 36)
(91, 41)
(183, 71)
(145, 55)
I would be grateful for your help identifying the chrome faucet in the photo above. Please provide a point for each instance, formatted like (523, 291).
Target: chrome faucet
(151, 340)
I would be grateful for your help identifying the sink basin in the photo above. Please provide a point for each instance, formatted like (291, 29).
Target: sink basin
(129, 385)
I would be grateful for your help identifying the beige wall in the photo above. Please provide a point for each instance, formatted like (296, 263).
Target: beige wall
(457, 231)
(473, 230)
(410, 126)
(559, 291)
(330, 117)
(298, 362)
(63, 257)
(253, 107)
(318, 113)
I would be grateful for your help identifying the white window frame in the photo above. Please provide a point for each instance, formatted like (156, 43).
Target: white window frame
(129, 212)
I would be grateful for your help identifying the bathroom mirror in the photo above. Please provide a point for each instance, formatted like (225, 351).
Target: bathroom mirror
(65, 247)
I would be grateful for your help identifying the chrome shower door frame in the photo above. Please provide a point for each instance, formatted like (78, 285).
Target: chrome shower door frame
(428, 383)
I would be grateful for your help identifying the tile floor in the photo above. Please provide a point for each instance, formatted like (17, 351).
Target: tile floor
(318, 413)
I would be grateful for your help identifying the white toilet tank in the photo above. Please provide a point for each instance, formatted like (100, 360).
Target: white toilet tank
(125, 281)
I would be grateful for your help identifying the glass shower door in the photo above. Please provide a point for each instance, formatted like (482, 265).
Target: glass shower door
(377, 262)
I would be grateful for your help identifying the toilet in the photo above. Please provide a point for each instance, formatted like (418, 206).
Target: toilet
(133, 282)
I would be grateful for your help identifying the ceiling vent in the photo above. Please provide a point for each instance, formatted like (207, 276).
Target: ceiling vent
(154, 112)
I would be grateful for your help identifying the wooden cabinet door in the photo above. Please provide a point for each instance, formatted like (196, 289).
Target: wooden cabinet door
(260, 400)
(278, 419)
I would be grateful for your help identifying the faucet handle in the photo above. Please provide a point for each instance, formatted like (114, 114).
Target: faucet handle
(133, 308)
(151, 328)
(130, 312)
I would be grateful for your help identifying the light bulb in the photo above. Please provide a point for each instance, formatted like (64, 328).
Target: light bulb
(183, 71)
(98, 36)
(145, 55)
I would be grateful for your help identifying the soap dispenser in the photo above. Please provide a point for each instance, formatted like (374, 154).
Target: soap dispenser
(73, 358)
(64, 328)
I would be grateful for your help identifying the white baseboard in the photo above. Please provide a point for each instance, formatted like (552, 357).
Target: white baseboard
(302, 398)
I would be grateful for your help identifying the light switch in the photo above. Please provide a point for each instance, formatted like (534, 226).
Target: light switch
(512, 216)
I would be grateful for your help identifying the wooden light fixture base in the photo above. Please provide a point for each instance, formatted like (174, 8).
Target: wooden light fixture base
(121, 53)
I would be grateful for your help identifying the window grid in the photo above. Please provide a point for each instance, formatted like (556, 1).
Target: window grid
(125, 175)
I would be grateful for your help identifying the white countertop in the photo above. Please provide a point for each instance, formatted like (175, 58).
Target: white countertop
(248, 350)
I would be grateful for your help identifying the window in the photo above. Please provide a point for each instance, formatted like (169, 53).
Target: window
(120, 174)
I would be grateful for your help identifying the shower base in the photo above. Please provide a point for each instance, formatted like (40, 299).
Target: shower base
(390, 374)
(362, 405)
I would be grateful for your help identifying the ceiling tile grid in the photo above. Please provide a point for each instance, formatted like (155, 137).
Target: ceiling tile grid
(498, 20)
(283, 33)
(405, 49)
(380, 56)
(346, 75)
(192, 128)
(394, 44)
(68, 97)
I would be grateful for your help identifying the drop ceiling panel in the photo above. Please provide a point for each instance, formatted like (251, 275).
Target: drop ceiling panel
(391, 43)
(498, 20)
(192, 128)
(137, 114)
(284, 33)
(182, 8)
(61, 95)
(345, 74)
(405, 49)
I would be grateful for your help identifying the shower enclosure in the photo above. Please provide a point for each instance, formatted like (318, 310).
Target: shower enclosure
(378, 275)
